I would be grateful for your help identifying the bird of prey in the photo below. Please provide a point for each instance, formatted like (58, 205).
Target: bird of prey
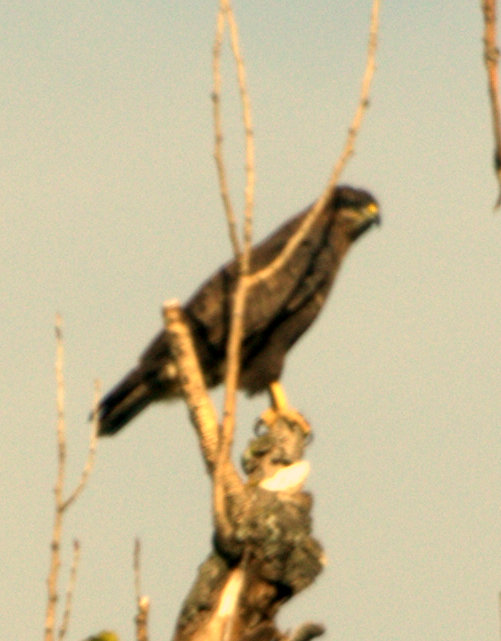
(279, 309)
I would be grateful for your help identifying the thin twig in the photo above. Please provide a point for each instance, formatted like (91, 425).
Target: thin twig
(225, 478)
(346, 153)
(218, 132)
(70, 591)
(60, 503)
(137, 568)
(238, 311)
(143, 602)
(491, 59)
(250, 169)
(89, 463)
(55, 559)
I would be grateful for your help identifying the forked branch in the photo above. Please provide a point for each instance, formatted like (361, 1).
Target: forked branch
(62, 503)
(263, 549)
(241, 250)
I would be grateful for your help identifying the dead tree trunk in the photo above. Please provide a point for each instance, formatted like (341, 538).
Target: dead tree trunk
(263, 551)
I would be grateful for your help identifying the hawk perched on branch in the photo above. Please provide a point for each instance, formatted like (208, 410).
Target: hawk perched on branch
(279, 308)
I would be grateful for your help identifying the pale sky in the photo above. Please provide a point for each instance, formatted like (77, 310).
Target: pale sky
(109, 206)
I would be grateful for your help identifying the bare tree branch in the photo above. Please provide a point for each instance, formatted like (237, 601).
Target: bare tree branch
(55, 561)
(264, 552)
(250, 174)
(491, 59)
(225, 475)
(60, 503)
(137, 569)
(263, 549)
(345, 155)
(243, 256)
(202, 411)
(70, 590)
(226, 481)
(91, 455)
(218, 132)
(225, 14)
(142, 601)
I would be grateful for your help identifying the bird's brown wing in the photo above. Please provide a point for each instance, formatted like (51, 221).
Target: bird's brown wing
(210, 307)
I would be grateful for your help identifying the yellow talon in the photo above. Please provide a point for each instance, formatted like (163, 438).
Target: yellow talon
(280, 409)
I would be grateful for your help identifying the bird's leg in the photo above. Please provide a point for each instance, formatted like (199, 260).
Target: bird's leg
(280, 409)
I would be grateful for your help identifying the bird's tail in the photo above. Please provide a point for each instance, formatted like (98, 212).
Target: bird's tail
(124, 401)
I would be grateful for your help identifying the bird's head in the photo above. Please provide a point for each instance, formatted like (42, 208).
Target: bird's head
(356, 209)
